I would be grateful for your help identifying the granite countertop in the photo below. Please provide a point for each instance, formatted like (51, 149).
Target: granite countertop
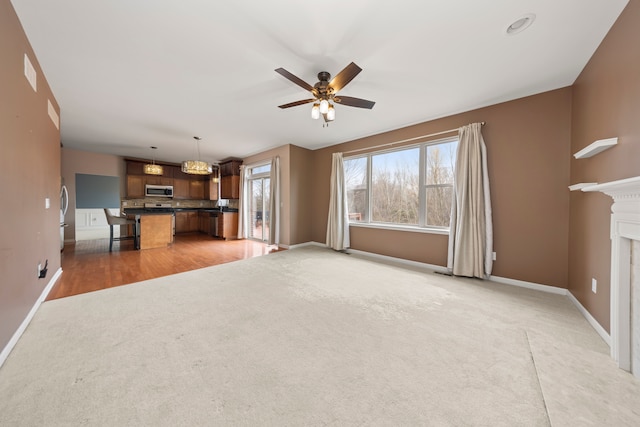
(142, 210)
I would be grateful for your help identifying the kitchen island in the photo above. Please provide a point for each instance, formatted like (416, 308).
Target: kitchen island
(156, 230)
(154, 226)
(218, 223)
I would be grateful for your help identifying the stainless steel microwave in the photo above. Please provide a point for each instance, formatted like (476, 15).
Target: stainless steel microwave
(158, 190)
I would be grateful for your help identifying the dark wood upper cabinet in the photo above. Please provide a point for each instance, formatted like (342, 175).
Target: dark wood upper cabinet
(230, 167)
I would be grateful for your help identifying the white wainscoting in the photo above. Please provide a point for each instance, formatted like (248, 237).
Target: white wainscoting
(92, 224)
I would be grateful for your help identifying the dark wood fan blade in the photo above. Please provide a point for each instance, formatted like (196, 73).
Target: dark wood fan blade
(354, 102)
(297, 80)
(344, 77)
(296, 103)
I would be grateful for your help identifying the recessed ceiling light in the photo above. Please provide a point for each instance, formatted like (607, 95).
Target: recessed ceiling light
(521, 24)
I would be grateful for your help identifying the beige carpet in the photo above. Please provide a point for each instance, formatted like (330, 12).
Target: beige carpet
(313, 337)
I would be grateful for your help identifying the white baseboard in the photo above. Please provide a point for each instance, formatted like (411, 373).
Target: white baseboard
(302, 245)
(422, 265)
(592, 321)
(23, 326)
(529, 285)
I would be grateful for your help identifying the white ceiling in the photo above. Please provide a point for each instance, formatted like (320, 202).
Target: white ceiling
(129, 74)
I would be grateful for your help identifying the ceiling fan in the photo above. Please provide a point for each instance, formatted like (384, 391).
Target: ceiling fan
(325, 92)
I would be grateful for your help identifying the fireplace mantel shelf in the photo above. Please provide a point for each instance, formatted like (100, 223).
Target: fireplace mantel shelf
(628, 185)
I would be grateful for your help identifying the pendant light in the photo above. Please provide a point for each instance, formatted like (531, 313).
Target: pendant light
(152, 168)
(197, 167)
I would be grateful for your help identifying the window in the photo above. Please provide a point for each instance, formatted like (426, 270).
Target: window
(409, 187)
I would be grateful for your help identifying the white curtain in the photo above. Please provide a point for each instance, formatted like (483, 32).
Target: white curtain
(471, 229)
(243, 204)
(274, 202)
(338, 221)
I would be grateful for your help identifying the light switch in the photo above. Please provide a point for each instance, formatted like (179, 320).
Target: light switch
(47, 203)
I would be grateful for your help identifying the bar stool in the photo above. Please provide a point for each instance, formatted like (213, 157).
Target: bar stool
(118, 220)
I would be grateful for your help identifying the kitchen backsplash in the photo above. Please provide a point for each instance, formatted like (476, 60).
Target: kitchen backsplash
(139, 203)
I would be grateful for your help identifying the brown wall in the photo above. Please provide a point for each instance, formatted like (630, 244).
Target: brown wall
(30, 171)
(301, 166)
(528, 144)
(606, 103)
(84, 162)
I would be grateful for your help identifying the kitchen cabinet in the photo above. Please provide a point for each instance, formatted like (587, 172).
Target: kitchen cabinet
(230, 187)
(134, 168)
(186, 221)
(180, 188)
(228, 225)
(211, 189)
(157, 180)
(230, 167)
(181, 222)
(204, 219)
(135, 186)
(192, 221)
(185, 186)
(230, 179)
(196, 188)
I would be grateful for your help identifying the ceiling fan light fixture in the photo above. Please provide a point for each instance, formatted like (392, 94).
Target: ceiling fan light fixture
(315, 111)
(324, 106)
(331, 113)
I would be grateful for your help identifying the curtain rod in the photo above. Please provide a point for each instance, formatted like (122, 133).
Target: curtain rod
(388, 144)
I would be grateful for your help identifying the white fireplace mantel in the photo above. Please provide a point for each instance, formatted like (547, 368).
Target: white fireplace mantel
(625, 227)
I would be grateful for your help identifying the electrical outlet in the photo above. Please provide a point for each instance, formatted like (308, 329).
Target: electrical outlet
(594, 285)
(494, 256)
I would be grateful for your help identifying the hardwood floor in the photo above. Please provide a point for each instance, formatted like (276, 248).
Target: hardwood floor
(89, 266)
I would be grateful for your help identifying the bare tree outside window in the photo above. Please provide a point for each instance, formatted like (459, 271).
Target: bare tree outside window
(355, 173)
(395, 197)
(393, 192)
(440, 164)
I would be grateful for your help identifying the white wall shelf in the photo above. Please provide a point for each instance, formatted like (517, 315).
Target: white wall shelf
(581, 185)
(595, 148)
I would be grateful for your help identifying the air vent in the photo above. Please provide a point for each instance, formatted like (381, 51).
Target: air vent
(30, 72)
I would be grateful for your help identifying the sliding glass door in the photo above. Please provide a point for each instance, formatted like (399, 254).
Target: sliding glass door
(259, 190)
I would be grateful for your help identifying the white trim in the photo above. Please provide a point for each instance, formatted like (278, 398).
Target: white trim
(592, 321)
(529, 285)
(397, 227)
(581, 185)
(23, 326)
(624, 227)
(438, 268)
(302, 245)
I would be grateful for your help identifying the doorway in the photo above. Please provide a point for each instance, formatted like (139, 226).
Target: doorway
(260, 191)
